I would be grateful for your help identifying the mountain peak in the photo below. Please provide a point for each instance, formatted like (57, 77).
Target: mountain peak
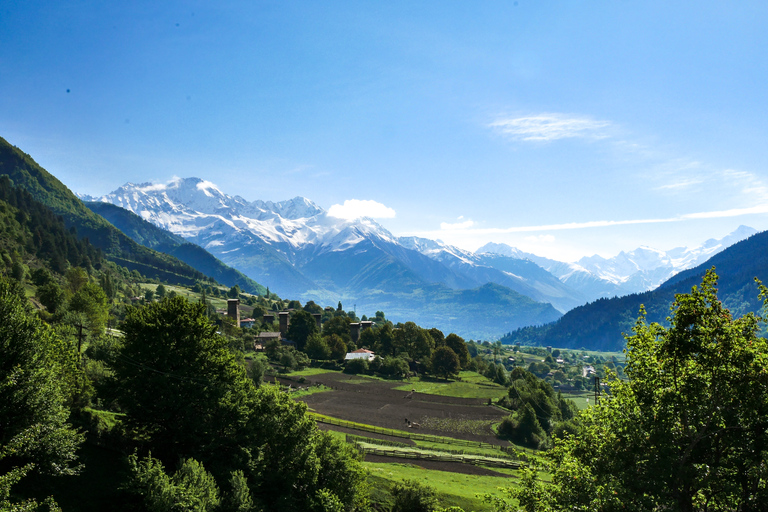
(291, 209)
(503, 250)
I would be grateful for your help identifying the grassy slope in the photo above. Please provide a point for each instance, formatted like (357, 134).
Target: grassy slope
(453, 489)
(471, 385)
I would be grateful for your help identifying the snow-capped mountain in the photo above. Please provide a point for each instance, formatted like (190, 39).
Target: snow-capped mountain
(519, 274)
(300, 251)
(640, 270)
(297, 249)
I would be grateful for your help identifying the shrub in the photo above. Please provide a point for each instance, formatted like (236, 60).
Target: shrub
(356, 366)
(394, 367)
(411, 496)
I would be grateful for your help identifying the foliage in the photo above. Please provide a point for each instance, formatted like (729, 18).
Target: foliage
(413, 340)
(191, 488)
(34, 368)
(302, 326)
(356, 366)
(523, 428)
(549, 407)
(177, 380)
(394, 367)
(459, 347)
(317, 348)
(688, 430)
(336, 345)
(92, 302)
(445, 362)
(412, 496)
(186, 395)
(338, 325)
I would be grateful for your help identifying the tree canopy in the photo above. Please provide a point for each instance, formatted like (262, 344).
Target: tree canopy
(185, 393)
(34, 433)
(688, 430)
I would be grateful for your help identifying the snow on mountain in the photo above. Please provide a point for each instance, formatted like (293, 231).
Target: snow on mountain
(521, 275)
(198, 210)
(642, 269)
(298, 249)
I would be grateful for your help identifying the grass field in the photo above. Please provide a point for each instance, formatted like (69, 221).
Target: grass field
(471, 385)
(453, 489)
(582, 399)
(308, 372)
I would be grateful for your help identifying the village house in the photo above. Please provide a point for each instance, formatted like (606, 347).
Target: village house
(361, 353)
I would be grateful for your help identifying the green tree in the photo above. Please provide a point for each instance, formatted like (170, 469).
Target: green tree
(437, 336)
(160, 291)
(368, 338)
(234, 292)
(185, 394)
(338, 325)
(317, 348)
(459, 347)
(414, 341)
(76, 277)
(191, 488)
(687, 431)
(523, 428)
(51, 296)
(92, 302)
(177, 380)
(311, 307)
(445, 362)
(355, 366)
(34, 433)
(302, 326)
(337, 346)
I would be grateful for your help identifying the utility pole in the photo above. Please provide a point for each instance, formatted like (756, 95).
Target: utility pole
(597, 389)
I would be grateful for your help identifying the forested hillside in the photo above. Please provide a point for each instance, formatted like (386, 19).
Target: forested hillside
(149, 235)
(29, 229)
(25, 173)
(599, 325)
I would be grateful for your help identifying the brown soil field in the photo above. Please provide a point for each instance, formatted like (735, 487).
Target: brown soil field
(375, 402)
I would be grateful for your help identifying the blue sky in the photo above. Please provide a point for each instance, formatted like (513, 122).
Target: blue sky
(562, 128)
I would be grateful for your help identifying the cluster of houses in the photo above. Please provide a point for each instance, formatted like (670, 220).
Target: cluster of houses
(355, 328)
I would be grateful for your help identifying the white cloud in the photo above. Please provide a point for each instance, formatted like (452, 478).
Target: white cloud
(549, 127)
(457, 225)
(154, 187)
(466, 227)
(356, 208)
(680, 184)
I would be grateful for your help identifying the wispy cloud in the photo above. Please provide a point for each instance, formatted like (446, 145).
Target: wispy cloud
(356, 208)
(547, 127)
(680, 184)
(457, 225)
(748, 183)
(467, 227)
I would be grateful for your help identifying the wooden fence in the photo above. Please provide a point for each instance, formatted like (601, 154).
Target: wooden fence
(409, 435)
(439, 457)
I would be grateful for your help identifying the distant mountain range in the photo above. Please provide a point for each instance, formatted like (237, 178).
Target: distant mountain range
(599, 325)
(300, 251)
(636, 271)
